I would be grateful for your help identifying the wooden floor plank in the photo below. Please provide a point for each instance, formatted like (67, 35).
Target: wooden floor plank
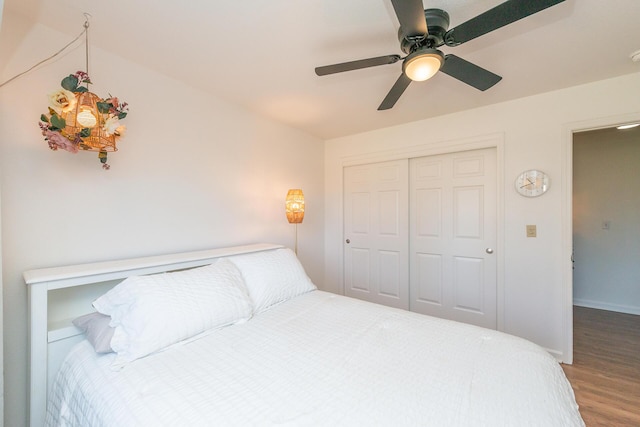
(605, 374)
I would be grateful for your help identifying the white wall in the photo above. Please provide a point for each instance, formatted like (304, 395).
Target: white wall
(606, 187)
(192, 172)
(535, 293)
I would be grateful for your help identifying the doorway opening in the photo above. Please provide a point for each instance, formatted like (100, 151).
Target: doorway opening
(606, 295)
(606, 214)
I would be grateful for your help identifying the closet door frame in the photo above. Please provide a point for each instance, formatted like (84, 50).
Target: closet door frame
(444, 147)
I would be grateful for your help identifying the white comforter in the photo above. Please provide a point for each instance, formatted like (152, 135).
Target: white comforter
(323, 360)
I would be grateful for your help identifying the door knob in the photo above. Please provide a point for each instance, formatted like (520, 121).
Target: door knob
(489, 251)
(348, 241)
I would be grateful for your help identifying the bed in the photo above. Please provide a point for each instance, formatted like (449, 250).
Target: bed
(241, 336)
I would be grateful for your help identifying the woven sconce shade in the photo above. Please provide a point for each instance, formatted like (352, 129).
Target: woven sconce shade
(85, 115)
(295, 206)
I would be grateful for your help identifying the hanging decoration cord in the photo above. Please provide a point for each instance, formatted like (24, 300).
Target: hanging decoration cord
(84, 32)
(86, 44)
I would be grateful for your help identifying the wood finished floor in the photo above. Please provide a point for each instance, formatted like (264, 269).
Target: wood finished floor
(605, 374)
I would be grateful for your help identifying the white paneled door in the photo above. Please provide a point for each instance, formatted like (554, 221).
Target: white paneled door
(376, 251)
(420, 234)
(453, 236)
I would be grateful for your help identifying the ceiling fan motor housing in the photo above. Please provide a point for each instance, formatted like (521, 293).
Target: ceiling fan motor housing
(437, 24)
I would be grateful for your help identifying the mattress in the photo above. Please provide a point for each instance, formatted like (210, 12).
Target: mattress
(322, 359)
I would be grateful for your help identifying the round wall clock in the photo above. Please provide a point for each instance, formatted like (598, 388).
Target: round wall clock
(532, 183)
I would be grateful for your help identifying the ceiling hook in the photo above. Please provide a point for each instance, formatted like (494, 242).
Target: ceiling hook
(87, 17)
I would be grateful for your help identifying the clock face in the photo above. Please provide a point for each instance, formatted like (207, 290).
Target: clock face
(532, 183)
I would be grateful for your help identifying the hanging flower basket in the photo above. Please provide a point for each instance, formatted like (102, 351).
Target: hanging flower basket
(81, 120)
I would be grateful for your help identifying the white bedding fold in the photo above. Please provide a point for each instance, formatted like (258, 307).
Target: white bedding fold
(323, 359)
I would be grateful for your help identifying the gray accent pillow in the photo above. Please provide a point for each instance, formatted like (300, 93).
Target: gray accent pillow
(97, 330)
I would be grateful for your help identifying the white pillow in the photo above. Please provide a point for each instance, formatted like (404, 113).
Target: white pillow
(152, 312)
(272, 277)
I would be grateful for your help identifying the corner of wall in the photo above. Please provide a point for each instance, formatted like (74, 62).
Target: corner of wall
(1, 302)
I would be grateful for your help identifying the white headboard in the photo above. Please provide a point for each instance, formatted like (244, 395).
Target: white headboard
(50, 340)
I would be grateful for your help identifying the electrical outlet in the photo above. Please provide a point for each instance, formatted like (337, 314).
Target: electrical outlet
(532, 230)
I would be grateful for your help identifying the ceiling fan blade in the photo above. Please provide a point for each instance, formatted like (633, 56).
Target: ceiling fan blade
(395, 93)
(356, 65)
(469, 73)
(501, 15)
(410, 14)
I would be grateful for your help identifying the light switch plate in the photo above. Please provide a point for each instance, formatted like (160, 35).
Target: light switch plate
(532, 230)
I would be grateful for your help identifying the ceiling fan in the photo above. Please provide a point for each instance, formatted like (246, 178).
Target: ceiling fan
(422, 32)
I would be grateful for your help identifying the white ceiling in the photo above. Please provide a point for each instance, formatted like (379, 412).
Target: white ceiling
(261, 54)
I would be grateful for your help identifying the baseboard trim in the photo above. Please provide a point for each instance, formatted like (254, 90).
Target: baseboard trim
(607, 306)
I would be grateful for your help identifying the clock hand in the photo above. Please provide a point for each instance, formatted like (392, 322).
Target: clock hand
(526, 185)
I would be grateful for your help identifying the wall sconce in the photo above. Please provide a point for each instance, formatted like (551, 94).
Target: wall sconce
(294, 208)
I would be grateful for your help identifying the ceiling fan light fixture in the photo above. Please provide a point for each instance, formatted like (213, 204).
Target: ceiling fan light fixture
(423, 64)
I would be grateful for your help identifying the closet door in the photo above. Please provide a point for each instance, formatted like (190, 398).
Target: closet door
(376, 228)
(453, 236)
